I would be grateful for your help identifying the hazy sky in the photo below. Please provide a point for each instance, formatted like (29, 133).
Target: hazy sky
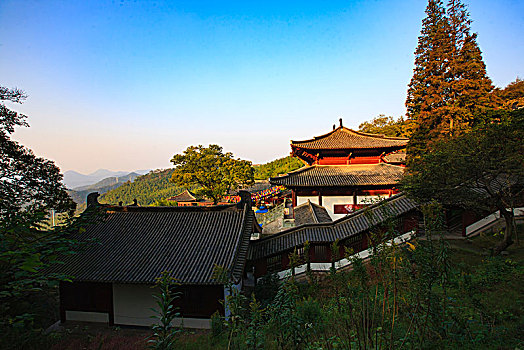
(124, 85)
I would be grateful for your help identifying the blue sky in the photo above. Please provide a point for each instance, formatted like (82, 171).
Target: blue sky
(125, 85)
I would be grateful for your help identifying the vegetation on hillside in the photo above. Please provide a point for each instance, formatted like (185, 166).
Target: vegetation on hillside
(147, 189)
(387, 126)
(214, 173)
(155, 187)
(79, 194)
(277, 167)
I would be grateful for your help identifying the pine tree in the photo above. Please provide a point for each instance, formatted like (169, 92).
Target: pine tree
(428, 93)
(470, 87)
(450, 86)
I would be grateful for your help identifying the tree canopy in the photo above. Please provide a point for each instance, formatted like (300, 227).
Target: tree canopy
(387, 126)
(214, 173)
(29, 188)
(512, 96)
(450, 86)
(480, 170)
(28, 184)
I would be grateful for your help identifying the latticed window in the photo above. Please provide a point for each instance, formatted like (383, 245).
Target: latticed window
(274, 263)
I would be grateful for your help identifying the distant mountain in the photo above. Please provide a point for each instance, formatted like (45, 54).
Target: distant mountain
(147, 189)
(104, 173)
(79, 194)
(73, 179)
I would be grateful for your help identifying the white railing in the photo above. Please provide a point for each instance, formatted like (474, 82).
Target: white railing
(324, 267)
(474, 227)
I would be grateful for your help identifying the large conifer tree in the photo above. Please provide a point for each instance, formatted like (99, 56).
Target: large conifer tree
(428, 92)
(449, 84)
(470, 86)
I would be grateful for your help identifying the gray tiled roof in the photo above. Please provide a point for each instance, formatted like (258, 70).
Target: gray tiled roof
(311, 213)
(135, 244)
(185, 196)
(341, 175)
(348, 226)
(344, 138)
(396, 157)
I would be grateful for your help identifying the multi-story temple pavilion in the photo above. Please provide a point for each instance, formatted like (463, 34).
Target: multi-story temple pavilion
(345, 170)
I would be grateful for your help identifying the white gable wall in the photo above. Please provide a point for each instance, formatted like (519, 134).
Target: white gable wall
(132, 305)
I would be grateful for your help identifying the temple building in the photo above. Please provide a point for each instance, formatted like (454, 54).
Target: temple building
(128, 247)
(345, 170)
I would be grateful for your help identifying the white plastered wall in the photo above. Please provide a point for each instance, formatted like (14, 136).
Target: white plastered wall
(329, 202)
(304, 199)
(132, 306)
(370, 199)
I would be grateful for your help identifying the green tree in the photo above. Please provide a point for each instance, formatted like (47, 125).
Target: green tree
(29, 188)
(470, 87)
(450, 87)
(28, 184)
(387, 126)
(428, 91)
(512, 96)
(480, 170)
(215, 173)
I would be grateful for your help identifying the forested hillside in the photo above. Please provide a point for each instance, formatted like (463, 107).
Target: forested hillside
(147, 189)
(276, 167)
(155, 186)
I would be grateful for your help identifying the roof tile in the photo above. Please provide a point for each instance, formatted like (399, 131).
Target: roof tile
(341, 175)
(134, 245)
(344, 138)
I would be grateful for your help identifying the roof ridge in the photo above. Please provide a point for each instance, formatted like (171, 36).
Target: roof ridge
(338, 221)
(315, 218)
(304, 168)
(381, 136)
(317, 137)
(245, 222)
(348, 130)
(196, 209)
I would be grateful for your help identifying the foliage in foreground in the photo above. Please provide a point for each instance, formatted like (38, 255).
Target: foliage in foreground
(30, 188)
(414, 296)
(164, 334)
(481, 170)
